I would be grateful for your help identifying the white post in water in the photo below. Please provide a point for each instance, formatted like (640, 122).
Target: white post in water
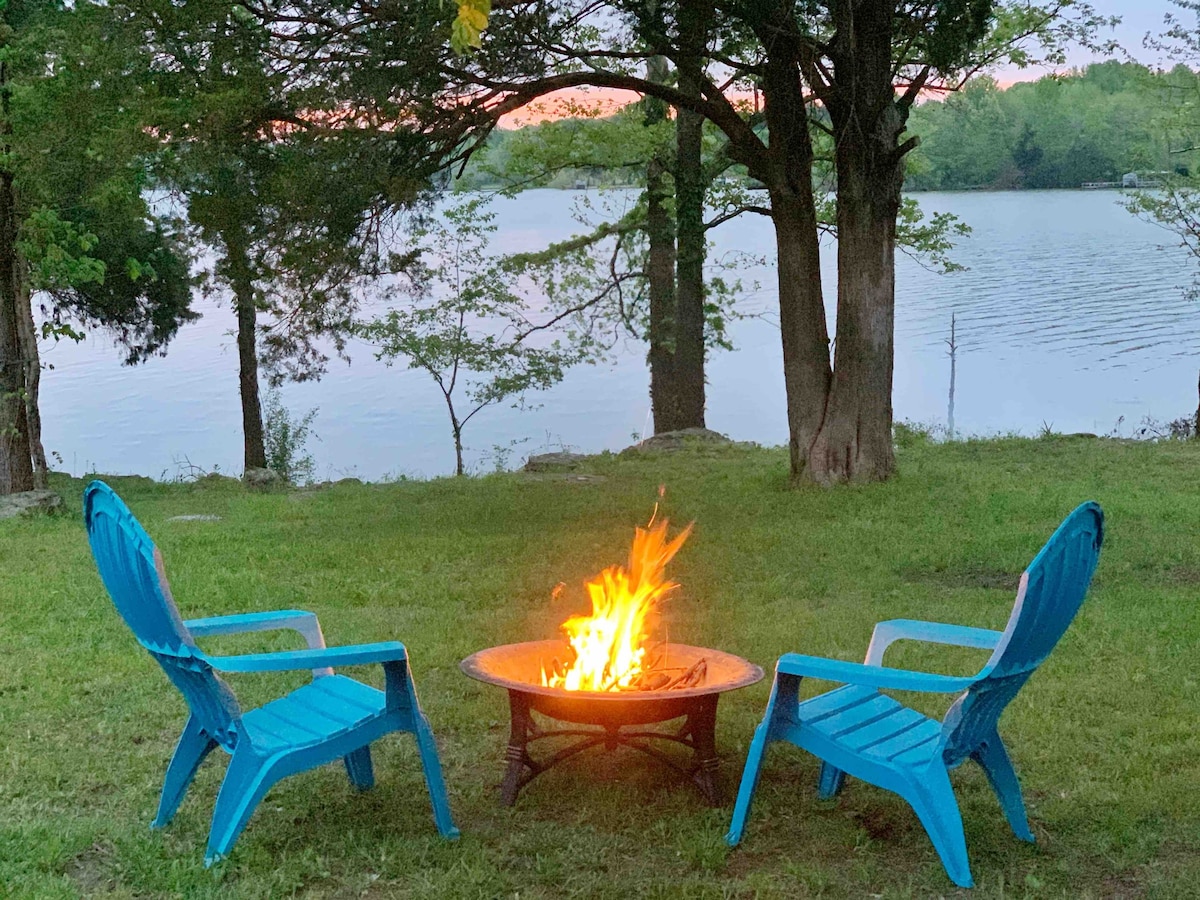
(953, 345)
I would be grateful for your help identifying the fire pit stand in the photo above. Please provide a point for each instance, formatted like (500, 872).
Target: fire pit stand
(615, 716)
(698, 732)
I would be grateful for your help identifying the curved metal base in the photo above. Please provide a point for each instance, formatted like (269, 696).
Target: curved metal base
(698, 732)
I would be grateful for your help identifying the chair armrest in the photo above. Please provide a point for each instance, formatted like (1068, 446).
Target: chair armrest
(887, 633)
(871, 676)
(354, 655)
(295, 619)
(304, 623)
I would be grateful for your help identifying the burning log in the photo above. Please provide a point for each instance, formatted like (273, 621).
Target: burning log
(652, 677)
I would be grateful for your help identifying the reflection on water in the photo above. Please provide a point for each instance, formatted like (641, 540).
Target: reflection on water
(1072, 313)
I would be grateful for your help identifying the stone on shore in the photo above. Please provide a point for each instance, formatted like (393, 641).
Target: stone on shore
(683, 439)
(28, 503)
(262, 478)
(554, 462)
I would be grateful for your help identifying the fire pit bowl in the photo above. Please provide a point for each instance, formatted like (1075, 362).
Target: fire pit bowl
(518, 669)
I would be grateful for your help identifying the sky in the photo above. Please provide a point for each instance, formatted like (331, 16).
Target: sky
(1138, 17)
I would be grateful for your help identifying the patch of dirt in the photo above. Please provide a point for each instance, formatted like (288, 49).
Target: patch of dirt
(1173, 865)
(1125, 886)
(989, 579)
(88, 870)
(1183, 574)
(879, 825)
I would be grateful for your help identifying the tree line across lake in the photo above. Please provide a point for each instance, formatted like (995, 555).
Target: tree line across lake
(1093, 124)
(1061, 131)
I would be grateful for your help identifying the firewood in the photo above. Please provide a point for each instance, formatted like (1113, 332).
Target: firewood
(653, 681)
(692, 677)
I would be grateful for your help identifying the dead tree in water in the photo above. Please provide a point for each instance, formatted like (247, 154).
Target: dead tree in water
(952, 343)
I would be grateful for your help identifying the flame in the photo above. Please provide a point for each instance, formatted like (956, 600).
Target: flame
(610, 643)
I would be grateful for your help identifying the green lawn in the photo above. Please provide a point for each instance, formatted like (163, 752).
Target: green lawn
(1106, 736)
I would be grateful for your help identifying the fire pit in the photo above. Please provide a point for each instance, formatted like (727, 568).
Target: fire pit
(609, 673)
(519, 668)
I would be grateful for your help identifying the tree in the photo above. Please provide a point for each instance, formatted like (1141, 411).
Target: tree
(640, 140)
(694, 24)
(78, 239)
(869, 59)
(291, 202)
(465, 326)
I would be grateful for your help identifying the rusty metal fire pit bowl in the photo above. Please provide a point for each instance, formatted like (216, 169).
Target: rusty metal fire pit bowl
(518, 669)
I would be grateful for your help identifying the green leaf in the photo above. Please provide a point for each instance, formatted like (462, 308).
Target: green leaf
(466, 32)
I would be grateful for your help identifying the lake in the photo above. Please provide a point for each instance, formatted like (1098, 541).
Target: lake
(1071, 315)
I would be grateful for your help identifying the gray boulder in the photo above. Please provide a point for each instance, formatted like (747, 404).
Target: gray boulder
(684, 437)
(262, 478)
(29, 503)
(554, 462)
(214, 479)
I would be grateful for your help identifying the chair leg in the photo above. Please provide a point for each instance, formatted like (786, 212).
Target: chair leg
(359, 768)
(830, 782)
(932, 798)
(246, 781)
(992, 756)
(194, 745)
(781, 711)
(434, 783)
(745, 796)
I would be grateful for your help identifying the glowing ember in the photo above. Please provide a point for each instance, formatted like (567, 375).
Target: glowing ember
(610, 644)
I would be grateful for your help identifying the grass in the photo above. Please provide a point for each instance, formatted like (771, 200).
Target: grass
(1106, 736)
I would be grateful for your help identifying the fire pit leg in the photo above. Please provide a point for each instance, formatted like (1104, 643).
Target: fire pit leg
(702, 724)
(517, 753)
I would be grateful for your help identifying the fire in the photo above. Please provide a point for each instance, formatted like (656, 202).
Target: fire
(610, 644)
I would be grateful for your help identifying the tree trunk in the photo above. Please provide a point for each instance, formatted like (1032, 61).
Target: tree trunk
(245, 303)
(802, 323)
(689, 218)
(660, 270)
(27, 333)
(855, 439)
(16, 464)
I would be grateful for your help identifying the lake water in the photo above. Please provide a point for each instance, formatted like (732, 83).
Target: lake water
(1072, 314)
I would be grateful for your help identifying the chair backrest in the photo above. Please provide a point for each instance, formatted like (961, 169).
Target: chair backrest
(132, 571)
(1051, 591)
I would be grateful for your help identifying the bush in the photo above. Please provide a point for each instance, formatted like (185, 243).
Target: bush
(286, 437)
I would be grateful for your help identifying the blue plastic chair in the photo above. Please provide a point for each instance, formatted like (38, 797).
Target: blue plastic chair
(332, 717)
(859, 731)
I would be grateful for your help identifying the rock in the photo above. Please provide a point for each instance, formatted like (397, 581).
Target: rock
(685, 437)
(343, 482)
(199, 517)
(214, 479)
(554, 462)
(28, 503)
(261, 478)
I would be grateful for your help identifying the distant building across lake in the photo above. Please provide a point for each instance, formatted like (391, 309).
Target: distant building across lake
(1134, 180)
